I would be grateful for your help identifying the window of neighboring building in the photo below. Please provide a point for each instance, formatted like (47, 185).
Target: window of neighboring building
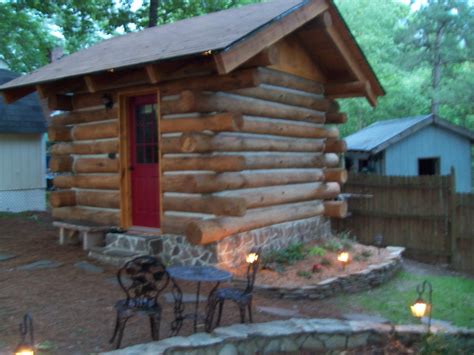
(428, 166)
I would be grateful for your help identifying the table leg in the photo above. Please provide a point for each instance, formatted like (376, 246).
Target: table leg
(196, 307)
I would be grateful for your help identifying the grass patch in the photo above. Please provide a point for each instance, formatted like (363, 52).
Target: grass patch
(452, 299)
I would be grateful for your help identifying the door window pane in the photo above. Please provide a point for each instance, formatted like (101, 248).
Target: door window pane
(146, 134)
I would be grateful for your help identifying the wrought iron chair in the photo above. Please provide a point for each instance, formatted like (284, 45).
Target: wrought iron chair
(142, 279)
(243, 298)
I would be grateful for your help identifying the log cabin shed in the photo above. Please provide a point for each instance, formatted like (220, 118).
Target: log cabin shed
(413, 146)
(22, 153)
(221, 128)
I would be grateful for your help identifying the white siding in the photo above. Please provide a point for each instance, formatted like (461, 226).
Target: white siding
(22, 161)
(430, 142)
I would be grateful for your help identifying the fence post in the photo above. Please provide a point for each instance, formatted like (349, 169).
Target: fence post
(452, 235)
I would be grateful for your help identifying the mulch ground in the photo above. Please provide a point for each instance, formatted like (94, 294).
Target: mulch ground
(72, 309)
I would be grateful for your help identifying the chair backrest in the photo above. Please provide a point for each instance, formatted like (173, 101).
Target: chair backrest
(252, 269)
(142, 279)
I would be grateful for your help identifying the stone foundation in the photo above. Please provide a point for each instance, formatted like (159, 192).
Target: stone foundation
(314, 336)
(229, 252)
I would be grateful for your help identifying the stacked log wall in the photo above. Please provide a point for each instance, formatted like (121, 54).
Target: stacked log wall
(266, 146)
(269, 153)
(85, 156)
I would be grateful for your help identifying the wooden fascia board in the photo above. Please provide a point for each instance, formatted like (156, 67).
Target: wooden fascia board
(346, 54)
(408, 132)
(457, 130)
(240, 52)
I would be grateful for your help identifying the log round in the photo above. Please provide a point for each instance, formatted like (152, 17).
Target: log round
(61, 163)
(336, 175)
(107, 129)
(105, 199)
(62, 198)
(335, 146)
(216, 205)
(94, 147)
(208, 182)
(215, 229)
(262, 125)
(59, 134)
(108, 182)
(216, 123)
(100, 114)
(96, 165)
(281, 194)
(239, 162)
(335, 209)
(225, 142)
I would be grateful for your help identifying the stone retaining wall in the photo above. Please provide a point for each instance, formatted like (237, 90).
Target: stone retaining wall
(374, 275)
(312, 335)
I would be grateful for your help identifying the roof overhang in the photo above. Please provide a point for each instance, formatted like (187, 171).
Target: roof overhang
(317, 23)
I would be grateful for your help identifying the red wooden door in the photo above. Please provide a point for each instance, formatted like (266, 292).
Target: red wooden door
(144, 162)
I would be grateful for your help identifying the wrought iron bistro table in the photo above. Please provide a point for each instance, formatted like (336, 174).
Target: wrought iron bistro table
(196, 274)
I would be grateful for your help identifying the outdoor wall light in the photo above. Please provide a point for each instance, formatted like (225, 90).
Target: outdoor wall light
(251, 258)
(26, 346)
(421, 308)
(343, 257)
(107, 101)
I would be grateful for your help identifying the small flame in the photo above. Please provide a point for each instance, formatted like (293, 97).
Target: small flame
(25, 351)
(419, 309)
(252, 257)
(343, 257)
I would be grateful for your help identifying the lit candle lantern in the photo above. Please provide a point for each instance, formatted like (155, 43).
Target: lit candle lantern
(24, 351)
(343, 257)
(419, 309)
(252, 257)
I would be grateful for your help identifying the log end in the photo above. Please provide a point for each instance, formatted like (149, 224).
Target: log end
(335, 209)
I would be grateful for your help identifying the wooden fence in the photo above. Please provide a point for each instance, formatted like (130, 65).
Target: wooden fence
(422, 213)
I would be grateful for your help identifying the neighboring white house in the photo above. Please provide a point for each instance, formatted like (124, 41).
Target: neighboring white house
(420, 145)
(22, 153)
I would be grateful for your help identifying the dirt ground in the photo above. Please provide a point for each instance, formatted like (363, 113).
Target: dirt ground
(72, 309)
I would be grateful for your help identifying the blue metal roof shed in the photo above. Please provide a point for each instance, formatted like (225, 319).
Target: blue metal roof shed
(419, 145)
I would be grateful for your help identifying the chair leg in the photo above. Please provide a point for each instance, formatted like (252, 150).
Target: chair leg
(219, 315)
(122, 323)
(117, 321)
(211, 309)
(155, 320)
(249, 305)
(242, 312)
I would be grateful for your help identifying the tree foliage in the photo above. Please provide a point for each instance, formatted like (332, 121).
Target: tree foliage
(403, 46)
(398, 43)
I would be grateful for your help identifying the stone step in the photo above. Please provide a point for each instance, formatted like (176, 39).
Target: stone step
(139, 244)
(112, 256)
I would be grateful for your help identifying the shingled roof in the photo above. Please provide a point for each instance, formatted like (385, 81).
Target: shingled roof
(24, 116)
(218, 34)
(380, 135)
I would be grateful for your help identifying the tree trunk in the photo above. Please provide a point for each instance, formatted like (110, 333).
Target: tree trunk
(436, 72)
(153, 13)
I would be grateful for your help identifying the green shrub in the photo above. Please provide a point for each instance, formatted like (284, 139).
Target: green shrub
(317, 251)
(346, 239)
(288, 256)
(333, 245)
